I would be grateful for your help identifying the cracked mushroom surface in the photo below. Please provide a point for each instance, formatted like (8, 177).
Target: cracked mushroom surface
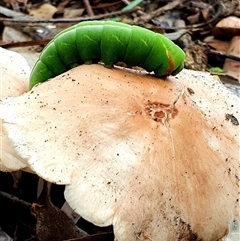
(157, 159)
(14, 74)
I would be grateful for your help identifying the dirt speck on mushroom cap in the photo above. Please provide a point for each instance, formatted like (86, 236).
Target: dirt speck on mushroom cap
(144, 155)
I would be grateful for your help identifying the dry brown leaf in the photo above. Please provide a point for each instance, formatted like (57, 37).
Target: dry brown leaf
(44, 11)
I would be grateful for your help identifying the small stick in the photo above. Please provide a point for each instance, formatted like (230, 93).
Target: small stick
(11, 13)
(88, 8)
(14, 200)
(25, 43)
(68, 20)
(223, 54)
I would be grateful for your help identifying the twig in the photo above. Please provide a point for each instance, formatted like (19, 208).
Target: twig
(16, 208)
(25, 43)
(88, 8)
(68, 20)
(107, 5)
(13, 14)
(223, 54)
(125, 2)
(13, 199)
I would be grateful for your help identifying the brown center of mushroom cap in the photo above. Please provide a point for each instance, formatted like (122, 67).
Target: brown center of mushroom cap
(160, 112)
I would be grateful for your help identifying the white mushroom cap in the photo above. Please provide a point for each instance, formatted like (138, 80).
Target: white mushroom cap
(157, 159)
(14, 74)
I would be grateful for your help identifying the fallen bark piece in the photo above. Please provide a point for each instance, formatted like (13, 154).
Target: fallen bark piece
(227, 28)
(14, 72)
(157, 159)
(232, 67)
(217, 44)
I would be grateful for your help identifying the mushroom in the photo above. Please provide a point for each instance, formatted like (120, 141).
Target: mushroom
(159, 160)
(15, 73)
(14, 81)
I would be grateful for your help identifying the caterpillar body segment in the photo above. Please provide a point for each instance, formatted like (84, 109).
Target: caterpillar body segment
(110, 42)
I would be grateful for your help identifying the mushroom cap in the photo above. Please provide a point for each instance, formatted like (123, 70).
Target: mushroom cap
(154, 158)
(15, 73)
(13, 82)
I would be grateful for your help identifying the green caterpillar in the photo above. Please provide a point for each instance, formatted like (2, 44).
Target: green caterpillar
(92, 41)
